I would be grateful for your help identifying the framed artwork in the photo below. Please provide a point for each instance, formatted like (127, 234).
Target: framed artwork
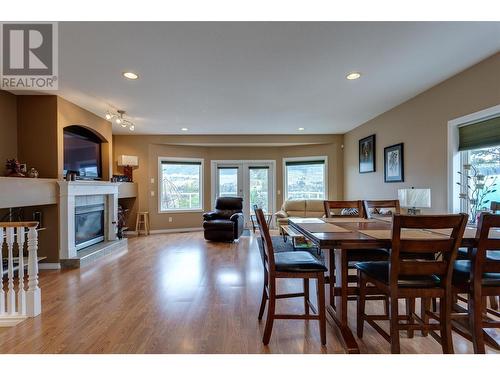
(394, 163)
(367, 154)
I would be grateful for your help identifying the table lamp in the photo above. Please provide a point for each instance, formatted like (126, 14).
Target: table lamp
(414, 199)
(128, 163)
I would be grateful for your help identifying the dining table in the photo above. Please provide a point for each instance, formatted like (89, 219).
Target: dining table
(340, 236)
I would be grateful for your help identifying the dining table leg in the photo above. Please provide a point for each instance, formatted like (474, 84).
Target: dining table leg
(337, 312)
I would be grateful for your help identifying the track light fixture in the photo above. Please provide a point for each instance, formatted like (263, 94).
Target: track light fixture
(119, 119)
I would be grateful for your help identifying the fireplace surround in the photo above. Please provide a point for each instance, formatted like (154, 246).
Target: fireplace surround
(95, 198)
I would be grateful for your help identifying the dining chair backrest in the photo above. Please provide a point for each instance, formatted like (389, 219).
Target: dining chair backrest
(435, 243)
(495, 207)
(371, 205)
(353, 208)
(267, 243)
(480, 263)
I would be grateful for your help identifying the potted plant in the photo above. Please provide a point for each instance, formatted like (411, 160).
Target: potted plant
(477, 187)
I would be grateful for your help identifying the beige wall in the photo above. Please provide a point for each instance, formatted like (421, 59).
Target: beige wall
(421, 123)
(8, 128)
(70, 114)
(150, 148)
(41, 120)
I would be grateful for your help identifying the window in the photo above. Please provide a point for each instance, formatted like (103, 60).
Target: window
(484, 165)
(479, 144)
(180, 184)
(259, 187)
(305, 178)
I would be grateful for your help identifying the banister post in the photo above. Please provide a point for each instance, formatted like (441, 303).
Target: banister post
(33, 296)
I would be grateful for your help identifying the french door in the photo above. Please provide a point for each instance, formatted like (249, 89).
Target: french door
(254, 181)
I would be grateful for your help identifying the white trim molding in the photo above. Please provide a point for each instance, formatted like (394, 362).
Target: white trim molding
(304, 158)
(202, 183)
(454, 158)
(49, 266)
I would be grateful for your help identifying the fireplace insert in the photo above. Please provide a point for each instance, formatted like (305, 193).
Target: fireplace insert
(89, 225)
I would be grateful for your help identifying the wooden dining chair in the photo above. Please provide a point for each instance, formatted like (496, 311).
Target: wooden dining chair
(344, 208)
(479, 277)
(401, 277)
(495, 300)
(354, 209)
(371, 206)
(290, 265)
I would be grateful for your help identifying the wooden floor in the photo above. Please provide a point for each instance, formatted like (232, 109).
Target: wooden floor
(176, 293)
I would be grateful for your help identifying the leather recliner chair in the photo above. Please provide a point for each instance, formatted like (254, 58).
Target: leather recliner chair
(225, 223)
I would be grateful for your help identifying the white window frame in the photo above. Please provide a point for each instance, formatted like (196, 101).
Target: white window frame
(456, 159)
(202, 183)
(304, 158)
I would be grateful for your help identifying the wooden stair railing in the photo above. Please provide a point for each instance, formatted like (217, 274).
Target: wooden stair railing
(17, 305)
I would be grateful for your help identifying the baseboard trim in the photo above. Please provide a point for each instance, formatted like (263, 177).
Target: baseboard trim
(176, 230)
(49, 266)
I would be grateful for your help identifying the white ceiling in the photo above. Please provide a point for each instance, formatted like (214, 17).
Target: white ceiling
(261, 78)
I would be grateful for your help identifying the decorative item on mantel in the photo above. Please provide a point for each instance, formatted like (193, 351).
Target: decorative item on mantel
(13, 168)
(33, 173)
(414, 199)
(475, 189)
(128, 162)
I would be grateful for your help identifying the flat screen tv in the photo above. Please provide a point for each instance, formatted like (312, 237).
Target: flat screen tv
(82, 153)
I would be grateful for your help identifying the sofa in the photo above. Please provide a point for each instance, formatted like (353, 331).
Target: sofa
(299, 208)
(225, 223)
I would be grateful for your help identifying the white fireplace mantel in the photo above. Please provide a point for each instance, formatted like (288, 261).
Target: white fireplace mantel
(68, 190)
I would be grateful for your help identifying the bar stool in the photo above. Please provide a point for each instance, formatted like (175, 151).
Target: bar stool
(142, 218)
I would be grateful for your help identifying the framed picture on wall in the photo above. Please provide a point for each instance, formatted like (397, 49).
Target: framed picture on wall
(367, 154)
(394, 163)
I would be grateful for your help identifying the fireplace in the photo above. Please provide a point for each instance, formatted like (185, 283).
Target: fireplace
(88, 212)
(89, 225)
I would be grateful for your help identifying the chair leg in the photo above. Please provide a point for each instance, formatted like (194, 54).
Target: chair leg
(361, 304)
(264, 297)
(494, 303)
(386, 306)
(270, 311)
(425, 305)
(306, 296)
(410, 310)
(321, 308)
(434, 304)
(137, 225)
(394, 325)
(331, 269)
(445, 325)
(476, 319)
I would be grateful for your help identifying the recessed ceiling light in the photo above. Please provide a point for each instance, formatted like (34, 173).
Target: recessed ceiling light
(300, 129)
(184, 129)
(130, 75)
(353, 75)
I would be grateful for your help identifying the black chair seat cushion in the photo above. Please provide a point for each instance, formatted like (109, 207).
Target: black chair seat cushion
(461, 274)
(219, 225)
(493, 255)
(380, 271)
(297, 261)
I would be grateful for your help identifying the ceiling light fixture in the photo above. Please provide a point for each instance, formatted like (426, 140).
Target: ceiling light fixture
(184, 129)
(300, 129)
(130, 75)
(119, 119)
(353, 75)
